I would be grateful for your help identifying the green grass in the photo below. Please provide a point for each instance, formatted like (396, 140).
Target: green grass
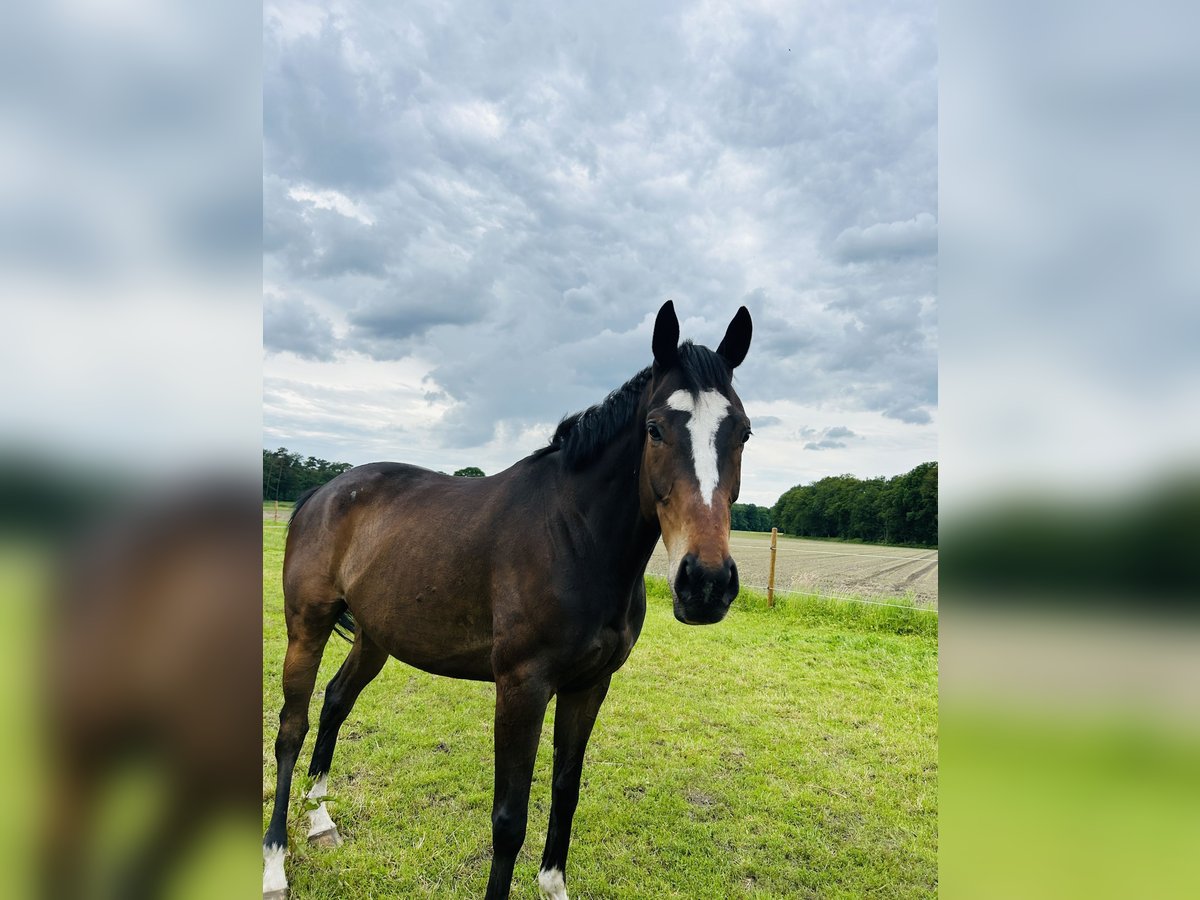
(894, 615)
(787, 752)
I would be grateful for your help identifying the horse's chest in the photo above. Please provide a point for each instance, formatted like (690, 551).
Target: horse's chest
(604, 654)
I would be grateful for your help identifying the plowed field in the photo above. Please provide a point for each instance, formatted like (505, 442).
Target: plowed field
(830, 568)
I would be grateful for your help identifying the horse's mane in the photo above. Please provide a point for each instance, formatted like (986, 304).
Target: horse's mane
(581, 436)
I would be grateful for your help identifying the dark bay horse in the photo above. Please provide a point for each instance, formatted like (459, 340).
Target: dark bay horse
(541, 589)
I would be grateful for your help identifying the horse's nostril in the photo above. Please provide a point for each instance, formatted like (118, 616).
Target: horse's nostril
(709, 586)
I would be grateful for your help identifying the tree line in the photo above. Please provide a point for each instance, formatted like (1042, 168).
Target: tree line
(898, 510)
(287, 475)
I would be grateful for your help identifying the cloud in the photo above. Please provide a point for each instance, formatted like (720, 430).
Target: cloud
(512, 197)
(334, 200)
(327, 115)
(892, 240)
(831, 438)
(293, 326)
(824, 445)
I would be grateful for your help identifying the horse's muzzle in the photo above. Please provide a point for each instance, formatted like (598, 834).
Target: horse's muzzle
(702, 595)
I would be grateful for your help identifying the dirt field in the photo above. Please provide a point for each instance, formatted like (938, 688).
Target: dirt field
(830, 568)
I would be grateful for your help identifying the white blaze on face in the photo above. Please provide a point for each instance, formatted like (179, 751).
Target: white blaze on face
(708, 411)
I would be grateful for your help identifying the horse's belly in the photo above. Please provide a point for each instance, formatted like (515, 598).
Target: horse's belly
(442, 641)
(470, 665)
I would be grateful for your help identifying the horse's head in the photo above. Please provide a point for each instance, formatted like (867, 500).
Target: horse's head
(692, 462)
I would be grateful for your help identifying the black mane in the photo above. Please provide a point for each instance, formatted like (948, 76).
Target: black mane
(582, 435)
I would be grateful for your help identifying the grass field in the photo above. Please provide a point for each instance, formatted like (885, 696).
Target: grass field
(782, 753)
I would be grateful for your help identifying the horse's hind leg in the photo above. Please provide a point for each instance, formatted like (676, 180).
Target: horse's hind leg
(365, 661)
(309, 627)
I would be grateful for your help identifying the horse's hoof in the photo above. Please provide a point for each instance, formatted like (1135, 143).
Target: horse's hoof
(280, 894)
(328, 838)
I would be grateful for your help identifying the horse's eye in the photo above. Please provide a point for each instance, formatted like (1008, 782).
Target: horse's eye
(746, 436)
(652, 430)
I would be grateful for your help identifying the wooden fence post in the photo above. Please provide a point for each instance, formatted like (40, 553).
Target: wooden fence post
(771, 575)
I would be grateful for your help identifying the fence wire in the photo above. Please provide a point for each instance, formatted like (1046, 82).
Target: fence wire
(818, 596)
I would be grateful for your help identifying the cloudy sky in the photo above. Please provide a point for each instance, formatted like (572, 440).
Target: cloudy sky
(472, 215)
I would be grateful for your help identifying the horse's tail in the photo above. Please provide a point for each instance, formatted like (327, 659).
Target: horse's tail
(301, 500)
(346, 626)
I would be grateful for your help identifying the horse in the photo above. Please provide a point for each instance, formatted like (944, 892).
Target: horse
(541, 591)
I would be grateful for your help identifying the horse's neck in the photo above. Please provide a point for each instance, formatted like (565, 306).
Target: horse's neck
(607, 497)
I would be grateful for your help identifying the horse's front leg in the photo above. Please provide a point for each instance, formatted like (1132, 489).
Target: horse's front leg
(520, 711)
(574, 717)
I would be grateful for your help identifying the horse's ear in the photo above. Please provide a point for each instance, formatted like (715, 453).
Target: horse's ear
(666, 337)
(736, 343)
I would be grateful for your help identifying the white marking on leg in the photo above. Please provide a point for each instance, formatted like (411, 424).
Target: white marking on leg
(552, 884)
(708, 411)
(274, 878)
(319, 820)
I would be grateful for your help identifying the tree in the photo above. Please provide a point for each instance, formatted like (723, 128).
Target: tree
(470, 472)
(902, 509)
(286, 475)
(866, 523)
(748, 517)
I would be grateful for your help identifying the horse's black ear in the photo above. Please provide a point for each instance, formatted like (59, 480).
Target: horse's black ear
(736, 343)
(666, 336)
